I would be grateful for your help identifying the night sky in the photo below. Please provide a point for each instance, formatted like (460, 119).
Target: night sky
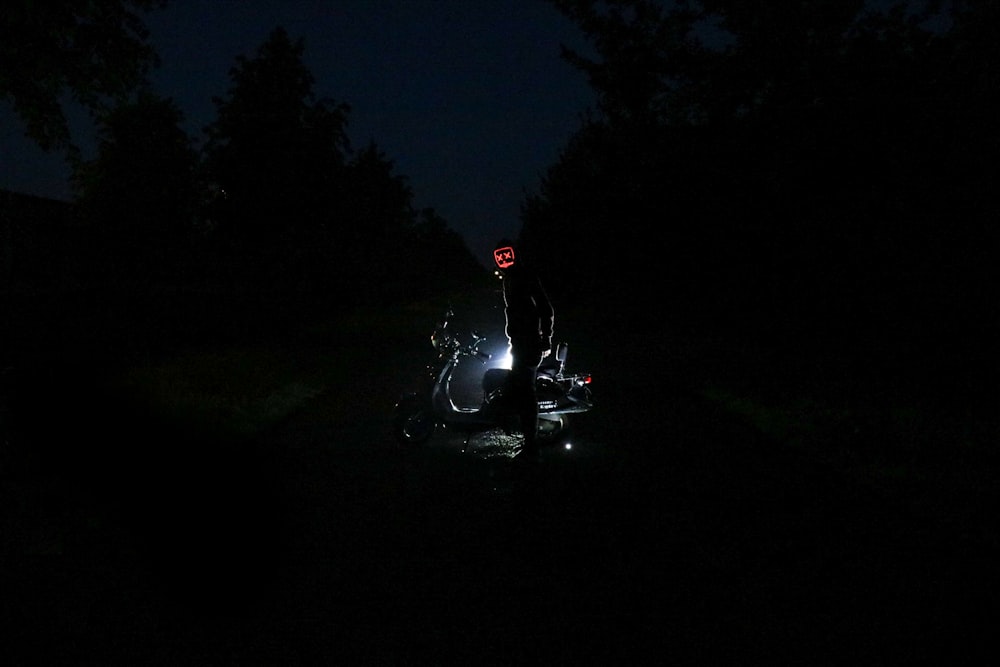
(470, 100)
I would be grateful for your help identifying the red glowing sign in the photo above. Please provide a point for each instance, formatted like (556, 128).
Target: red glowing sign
(504, 257)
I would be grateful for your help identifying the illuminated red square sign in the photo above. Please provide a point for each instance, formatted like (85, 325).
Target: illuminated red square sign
(504, 257)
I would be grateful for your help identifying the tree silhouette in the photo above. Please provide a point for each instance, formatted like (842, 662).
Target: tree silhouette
(437, 259)
(95, 51)
(643, 48)
(300, 210)
(278, 156)
(378, 219)
(140, 193)
(818, 160)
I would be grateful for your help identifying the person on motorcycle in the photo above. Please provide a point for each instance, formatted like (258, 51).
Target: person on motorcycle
(530, 319)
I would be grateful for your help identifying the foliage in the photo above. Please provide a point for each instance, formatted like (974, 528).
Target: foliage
(300, 210)
(140, 193)
(95, 51)
(820, 163)
(277, 155)
(276, 210)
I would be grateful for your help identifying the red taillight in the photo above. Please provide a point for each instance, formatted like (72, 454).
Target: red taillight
(586, 379)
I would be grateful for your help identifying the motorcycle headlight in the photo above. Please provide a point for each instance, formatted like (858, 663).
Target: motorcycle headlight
(503, 359)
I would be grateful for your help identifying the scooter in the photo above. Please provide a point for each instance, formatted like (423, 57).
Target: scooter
(418, 414)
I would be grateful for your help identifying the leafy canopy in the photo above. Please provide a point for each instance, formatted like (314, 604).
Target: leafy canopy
(96, 52)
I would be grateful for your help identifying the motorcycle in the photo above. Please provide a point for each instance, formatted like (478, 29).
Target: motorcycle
(418, 414)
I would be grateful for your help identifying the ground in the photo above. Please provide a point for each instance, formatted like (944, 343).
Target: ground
(688, 525)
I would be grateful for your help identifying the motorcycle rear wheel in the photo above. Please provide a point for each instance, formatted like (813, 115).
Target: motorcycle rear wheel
(552, 429)
(413, 422)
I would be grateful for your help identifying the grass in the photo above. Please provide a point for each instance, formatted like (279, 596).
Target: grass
(940, 459)
(241, 391)
(857, 419)
(245, 389)
(847, 508)
(843, 414)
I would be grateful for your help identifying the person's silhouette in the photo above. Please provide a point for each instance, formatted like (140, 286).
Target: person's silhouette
(530, 321)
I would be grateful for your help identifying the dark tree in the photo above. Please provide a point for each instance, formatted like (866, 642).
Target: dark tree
(299, 209)
(819, 161)
(378, 219)
(437, 260)
(278, 156)
(140, 193)
(643, 49)
(96, 52)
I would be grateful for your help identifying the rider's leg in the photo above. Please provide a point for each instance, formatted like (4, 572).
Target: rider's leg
(523, 373)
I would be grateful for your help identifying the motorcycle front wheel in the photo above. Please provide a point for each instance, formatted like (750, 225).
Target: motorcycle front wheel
(413, 422)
